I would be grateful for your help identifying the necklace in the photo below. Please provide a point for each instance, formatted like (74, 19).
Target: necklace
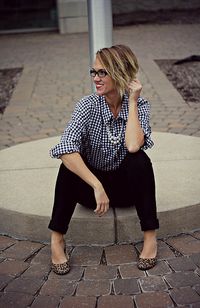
(114, 139)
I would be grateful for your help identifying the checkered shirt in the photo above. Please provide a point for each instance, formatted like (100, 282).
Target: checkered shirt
(86, 132)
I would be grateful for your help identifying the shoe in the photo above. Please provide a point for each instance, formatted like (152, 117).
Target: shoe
(146, 264)
(61, 269)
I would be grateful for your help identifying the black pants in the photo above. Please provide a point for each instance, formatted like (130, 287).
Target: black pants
(132, 184)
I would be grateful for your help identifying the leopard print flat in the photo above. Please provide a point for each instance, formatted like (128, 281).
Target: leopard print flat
(146, 264)
(61, 269)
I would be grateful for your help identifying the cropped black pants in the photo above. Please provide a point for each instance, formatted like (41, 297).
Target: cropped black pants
(132, 184)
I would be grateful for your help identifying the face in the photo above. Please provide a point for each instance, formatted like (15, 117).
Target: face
(104, 85)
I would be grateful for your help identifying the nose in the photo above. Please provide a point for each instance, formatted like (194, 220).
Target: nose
(97, 78)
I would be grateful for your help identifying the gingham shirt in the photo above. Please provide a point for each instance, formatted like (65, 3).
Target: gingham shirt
(86, 132)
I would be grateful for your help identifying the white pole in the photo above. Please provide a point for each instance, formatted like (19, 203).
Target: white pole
(99, 25)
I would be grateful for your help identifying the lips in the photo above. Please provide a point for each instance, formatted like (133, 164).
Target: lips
(99, 86)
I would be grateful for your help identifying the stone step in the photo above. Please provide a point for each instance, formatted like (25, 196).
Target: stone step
(27, 177)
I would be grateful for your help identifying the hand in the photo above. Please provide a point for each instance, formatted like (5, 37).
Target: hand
(134, 88)
(101, 200)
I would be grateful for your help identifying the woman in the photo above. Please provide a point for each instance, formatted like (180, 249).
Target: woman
(103, 162)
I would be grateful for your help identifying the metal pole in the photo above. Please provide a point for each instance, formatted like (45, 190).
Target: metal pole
(99, 25)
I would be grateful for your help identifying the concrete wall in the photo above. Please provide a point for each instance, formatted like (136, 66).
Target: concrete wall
(72, 14)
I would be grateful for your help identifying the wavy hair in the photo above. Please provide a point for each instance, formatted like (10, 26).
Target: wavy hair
(121, 65)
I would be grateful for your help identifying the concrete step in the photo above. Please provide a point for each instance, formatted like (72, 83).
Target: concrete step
(27, 179)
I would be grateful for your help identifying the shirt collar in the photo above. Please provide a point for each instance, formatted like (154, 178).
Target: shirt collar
(107, 114)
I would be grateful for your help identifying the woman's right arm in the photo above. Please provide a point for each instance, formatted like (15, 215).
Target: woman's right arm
(75, 163)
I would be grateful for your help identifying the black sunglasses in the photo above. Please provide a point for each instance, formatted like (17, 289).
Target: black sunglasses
(101, 73)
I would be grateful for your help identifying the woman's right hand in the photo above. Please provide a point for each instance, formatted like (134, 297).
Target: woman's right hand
(102, 200)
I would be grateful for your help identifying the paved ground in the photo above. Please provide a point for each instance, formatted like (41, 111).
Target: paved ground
(101, 276)
(54, 77)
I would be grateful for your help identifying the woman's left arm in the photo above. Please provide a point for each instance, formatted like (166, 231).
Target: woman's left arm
(134, 135)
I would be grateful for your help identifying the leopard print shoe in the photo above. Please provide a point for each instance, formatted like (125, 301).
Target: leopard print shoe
(146, 264)
(61, 269)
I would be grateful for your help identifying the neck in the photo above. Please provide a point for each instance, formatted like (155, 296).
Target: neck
(114, 101)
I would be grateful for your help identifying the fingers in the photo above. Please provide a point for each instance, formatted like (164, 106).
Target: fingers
(101, 208)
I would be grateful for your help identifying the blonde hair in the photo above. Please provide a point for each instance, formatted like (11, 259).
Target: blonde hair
(120, 63)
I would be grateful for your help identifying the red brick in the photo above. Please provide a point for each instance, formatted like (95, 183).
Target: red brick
(4, 280)
(130, 271)
(46, 301)
(101, 272)
(93, 288)
(12, 267)
(43, 256)
(184, 279)
(161, 268)
(15, 300)
(186, 244)
(196, 258)
(116, 301)
(153, 283)
(153, 300)
(58, 287)
(184, 296)
(78, 302)
(126, 286)
(120, 254)
(24, 285)
(6, 242)
(182, 264)
(37, 271)
(86, 256)
(21, 250)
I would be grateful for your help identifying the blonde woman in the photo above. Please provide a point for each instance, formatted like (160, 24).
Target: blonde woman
(102, 152)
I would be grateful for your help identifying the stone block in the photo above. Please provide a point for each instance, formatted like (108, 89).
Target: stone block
(25, 285)
(12, 268)
(58, 287)
(14, 299)
(126, 286)
(117, 301)
(86, 256)
(86, 228)
(93, 288)
(161, 268)
(153, 283)
(100, 272)
(21, 250)
(120, 254)
(184, 296)
(184, 279)
(182, 264)
(45, 301)
(127, 225)
(130, 271)
(153, 300)
(78, 301)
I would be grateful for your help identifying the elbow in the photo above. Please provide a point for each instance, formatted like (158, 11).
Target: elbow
(133, 148)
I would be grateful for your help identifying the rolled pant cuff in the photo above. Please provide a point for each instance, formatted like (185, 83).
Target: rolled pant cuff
(57, 228)
(149, 225)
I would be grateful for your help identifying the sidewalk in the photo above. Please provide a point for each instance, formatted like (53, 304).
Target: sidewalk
(54, 78)
(101, 276)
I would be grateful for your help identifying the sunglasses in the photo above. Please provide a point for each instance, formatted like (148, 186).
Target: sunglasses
(101, 73)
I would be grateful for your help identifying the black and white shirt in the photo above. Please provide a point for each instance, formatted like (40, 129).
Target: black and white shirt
(86, 132)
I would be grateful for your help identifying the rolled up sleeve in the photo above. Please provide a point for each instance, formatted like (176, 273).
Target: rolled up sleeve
(144, 117)
(71, 139)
